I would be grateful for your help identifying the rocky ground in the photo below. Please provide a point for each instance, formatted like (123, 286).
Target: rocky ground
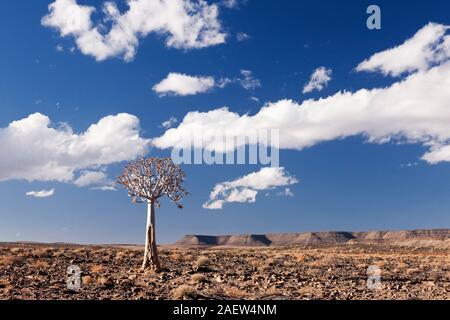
(338, 272)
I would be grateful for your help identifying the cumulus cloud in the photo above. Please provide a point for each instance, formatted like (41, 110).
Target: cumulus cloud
(246, 188)
(41, 194)
(179, 84)
(34, 150)
(186, 24)
(169, 123)
(183, 85)
(318, 80)
(430, 45)
(96, 179)
(438, 153)
(413, 110)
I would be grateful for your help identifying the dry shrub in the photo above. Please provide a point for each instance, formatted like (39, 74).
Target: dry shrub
(402, 265)
(413, 271)
(202, 262)
(105, 282)
(9, 260)
(273, 291)
(270, 263)
(198, 278)
(4, 283)
(234, 292)
(184, 292)
(311, 292)
(96, 268)
(225, 291)
(320, 261)
(298, 256)
(176, 256)
(99, 251)
(39, 264)
(87, 280)
(58, 253)
(121, 255)
(255, 262)
(16, 250)
(281, 256)
(362, 265)
(41, 253)
(380, 263)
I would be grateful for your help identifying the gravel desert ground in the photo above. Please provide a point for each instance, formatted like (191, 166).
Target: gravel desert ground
(31, 271)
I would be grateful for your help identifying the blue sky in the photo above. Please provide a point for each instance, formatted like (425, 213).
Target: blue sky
(345, 182)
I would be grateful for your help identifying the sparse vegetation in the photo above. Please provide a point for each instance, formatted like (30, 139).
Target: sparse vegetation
(9, 260)
(184, 292)
(39, 264)
(87, 280)
(197, 278)
(97, 268)
(239, 273)
(202, 263)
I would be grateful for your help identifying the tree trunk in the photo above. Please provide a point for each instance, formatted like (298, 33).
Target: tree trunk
(151, 259)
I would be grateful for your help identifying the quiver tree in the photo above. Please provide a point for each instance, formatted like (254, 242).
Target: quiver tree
(147, 180)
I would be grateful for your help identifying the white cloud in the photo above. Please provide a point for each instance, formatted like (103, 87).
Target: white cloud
(427, 47)
(413, 110)
(438, 153)
(287, 192)
(230, 4)
(242, 36)
(185, 23)
(89, 178)
(59, 48)
(409, 165)
(34, 150)
(109, 187)
(222, 83)
(41, 194)
(245, 189)
(249, 82)
(183, 85)
(318, 80)
(169, 123)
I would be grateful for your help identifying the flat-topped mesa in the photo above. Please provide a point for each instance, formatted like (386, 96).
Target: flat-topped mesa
(287, 239)
(314, 238)
(274, 239)
(436, 234)
(232, 240)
